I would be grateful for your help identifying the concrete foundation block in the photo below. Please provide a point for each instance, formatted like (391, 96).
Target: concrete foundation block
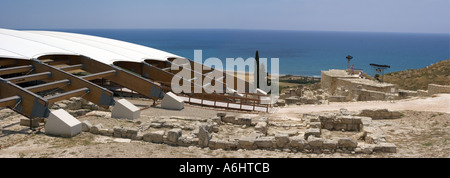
(63, 124)
(172, 101)
(125, 109)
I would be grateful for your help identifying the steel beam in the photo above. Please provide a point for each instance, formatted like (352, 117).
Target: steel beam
(57, 62)
(125, 78)
(99, 75)
(97, 95)
(67, 95)
(71, 67)
(9, 101)
(48, 86)
(14, 70)
(31, 105)
(31, 77)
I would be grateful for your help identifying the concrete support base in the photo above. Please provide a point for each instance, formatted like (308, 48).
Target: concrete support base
(172, 101)
(125, 109)
(61, 123)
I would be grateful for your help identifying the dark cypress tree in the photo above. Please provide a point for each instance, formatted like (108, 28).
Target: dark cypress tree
(257, 68)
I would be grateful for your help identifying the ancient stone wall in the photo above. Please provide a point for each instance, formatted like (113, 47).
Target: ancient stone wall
(435, 89)
(309, 142)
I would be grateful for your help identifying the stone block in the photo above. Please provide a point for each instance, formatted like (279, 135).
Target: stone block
(385, 148)
(244, 121)
(347, 143)
(212, 143)
(154, 137)
(314, 142)
(225, 145)
(344, 111)
(117, 132)
(86, 126)
(229, 119)
(139, 136)
(327, 117)
(103, 132)
(340, 126)
(203, 136)
(317, 125)
(312, 131)
(172, 101)
(156, 124)
(247, 143)
(261, 127)
(221, 114)
(298, 142)
(367, 149)
(125, 109)
(328, 125)
(313, 118)
(61, 123)
(216, 120)
(264, 142)
(173, 135)
(282, 140)
(186, 141)
(330, 144)
(131, 132)
(96, 129)
(124, 133)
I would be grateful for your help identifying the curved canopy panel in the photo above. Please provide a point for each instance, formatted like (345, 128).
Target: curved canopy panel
(27, 48)
(112, 44)
(33, 44)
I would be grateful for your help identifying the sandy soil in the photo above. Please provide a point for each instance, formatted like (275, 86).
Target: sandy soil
(417, 134)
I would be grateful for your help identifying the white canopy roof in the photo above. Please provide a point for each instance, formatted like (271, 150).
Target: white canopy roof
(33, 44)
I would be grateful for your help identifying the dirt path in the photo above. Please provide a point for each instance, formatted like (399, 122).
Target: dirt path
(440, 103)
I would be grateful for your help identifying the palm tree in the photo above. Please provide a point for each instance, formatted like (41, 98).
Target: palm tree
(348, 59)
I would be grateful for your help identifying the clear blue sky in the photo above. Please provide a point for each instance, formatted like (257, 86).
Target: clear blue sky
(423, 16)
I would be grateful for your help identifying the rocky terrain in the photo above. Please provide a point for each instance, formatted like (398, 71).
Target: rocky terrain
(164, 133)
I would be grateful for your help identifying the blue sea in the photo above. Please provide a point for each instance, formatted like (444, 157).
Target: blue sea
(300, 52)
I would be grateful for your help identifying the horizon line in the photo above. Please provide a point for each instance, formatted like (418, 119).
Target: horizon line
(243, 29)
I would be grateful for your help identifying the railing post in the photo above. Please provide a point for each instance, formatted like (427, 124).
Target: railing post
(254, 103)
